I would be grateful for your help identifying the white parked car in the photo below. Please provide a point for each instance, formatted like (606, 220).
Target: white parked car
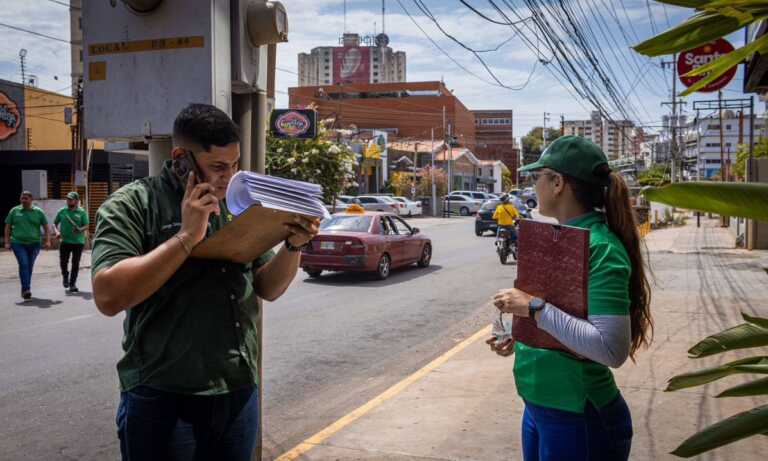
(340, 206)
(473, 194)
(411, 208)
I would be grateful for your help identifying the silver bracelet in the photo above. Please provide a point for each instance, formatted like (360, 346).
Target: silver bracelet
(184, 244)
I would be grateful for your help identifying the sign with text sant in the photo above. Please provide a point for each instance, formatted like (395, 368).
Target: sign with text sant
(697, 57)
(293, 123)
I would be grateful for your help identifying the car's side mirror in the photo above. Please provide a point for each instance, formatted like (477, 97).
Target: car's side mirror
(415, 231)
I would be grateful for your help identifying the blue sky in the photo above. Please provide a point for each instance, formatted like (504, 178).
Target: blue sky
(320, 23)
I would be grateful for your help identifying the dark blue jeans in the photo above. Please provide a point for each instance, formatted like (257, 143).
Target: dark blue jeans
(162, 426)
(25, 256)
(603, 434)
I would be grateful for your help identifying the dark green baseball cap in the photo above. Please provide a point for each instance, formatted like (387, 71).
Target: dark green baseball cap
(73, 196)
(574, 156)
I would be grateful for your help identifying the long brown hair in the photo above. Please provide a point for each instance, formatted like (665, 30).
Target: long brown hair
(614, 200)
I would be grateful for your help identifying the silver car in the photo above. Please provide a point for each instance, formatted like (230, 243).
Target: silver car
(379, 203)
(461, 204)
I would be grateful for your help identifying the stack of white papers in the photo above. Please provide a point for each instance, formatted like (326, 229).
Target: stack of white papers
(247, 189)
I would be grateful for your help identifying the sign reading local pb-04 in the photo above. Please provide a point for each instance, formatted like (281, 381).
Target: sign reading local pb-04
(136, 46)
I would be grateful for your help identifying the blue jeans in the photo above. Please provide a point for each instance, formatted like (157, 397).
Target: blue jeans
(25, 256)
(158, 425)
(603, 434)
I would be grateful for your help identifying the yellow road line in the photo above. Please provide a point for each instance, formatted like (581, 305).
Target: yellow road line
(349, 418)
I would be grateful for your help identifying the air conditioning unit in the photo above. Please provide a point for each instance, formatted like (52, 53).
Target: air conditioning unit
(35, 181)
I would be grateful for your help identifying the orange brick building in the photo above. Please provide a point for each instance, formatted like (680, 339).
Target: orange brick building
(407, 110)
(494, 138)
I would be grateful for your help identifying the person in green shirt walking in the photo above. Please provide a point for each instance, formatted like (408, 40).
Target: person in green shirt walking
(22, 235)
(188, 375)
(71, 224)
(573, 409)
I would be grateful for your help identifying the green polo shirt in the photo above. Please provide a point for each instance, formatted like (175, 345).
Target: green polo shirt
(25, 224)
(556, 379)
(197, 334)
(69, 221)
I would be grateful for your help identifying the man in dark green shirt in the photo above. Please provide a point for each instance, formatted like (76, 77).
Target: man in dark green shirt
(22, 235)
(190, 331)
(71, 224)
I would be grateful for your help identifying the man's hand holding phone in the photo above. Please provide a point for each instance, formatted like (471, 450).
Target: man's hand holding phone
(196, 207)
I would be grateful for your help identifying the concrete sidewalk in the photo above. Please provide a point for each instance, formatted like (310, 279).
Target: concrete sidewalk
(466, 408)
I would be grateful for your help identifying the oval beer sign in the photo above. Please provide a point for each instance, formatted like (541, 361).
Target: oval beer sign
(697, 57)
(292, 124)
(10, 117)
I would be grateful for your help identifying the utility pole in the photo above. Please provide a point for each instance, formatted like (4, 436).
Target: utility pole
(723, 169)
(673, 141)
(413, 177)
(450, 159)
(544, 131)
(432, 175)
(562, 124)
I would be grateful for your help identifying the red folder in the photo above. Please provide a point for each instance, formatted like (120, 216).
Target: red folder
(552, 264)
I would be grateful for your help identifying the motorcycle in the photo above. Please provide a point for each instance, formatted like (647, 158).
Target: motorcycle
(506, 245)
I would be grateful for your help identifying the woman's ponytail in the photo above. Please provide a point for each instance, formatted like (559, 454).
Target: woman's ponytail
(614, 199)
(623, 222)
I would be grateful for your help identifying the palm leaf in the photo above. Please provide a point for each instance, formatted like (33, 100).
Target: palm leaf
(707, 375)
(759, 321)
(727, 431)
(760, 368)
(721, 65)
(686, 3)
(727, 199)
(697, 30)
(739, 337)
(759, 387)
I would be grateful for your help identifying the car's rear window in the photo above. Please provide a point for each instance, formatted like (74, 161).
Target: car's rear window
(346, 223)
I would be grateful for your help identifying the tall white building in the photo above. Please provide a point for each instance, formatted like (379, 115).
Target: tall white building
(616, 138)
(357, 60)
(702, 142)
(76, 40)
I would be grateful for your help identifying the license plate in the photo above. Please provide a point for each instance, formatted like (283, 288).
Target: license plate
(327, 245)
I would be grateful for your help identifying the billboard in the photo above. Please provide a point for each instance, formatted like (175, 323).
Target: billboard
(351, 64)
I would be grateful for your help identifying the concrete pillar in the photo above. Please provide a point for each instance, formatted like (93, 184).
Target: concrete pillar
(159, 152)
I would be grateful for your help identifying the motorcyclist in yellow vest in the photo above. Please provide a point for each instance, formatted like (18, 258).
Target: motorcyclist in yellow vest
(506, 214)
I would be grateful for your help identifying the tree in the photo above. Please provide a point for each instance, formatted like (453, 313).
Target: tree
(507, 181)
(317, 160)
(657, 175)
(742, 154)
(532, 143)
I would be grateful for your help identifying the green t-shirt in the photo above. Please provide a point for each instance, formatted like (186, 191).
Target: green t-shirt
(25, 224)
(197, 334)
(556, 379)
(69, 221)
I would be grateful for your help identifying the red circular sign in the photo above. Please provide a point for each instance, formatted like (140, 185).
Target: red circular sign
(697, 57)
(10, 117)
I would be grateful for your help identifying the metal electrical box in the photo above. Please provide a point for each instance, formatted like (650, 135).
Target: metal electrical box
(142, 69)
(35, 181)
(249, 62)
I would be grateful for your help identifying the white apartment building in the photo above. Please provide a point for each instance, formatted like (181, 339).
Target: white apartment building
(702, 142)
(616, 138)
(352, 62)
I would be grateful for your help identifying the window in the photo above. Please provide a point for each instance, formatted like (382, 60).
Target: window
(400, 226)
(385, 226)
(80, 23)
(375, 74)
(327, 67)
(375, 80)
(327, 74)
(367, 200)
(327, 82)
(727, 127)
(457, 198)
(347, 223)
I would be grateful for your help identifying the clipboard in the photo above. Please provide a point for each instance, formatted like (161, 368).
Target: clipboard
(248, 236)
(552, 264)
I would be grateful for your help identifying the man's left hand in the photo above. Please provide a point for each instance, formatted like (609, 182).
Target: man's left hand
(512, 301)
(302, 230)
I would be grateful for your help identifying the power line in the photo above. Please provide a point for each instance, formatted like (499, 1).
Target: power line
(35, 33)
(424, 9)
(64, 4)
(286, 71)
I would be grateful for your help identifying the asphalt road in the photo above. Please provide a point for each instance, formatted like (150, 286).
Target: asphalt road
(330, 345)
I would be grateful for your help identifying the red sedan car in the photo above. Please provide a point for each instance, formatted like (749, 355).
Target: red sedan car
(365, 241)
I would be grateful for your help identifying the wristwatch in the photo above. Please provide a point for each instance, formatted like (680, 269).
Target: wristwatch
(535, 305)
(290, 247)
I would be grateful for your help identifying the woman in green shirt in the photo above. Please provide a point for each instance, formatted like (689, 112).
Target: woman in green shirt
(573, 409)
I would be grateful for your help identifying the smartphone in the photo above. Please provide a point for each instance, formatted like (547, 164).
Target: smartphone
(182, 166)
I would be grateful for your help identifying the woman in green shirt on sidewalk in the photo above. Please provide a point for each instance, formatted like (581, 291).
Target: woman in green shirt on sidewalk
(573, 409)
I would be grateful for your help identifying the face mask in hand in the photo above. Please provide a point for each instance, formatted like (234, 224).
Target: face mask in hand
(501, 340)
